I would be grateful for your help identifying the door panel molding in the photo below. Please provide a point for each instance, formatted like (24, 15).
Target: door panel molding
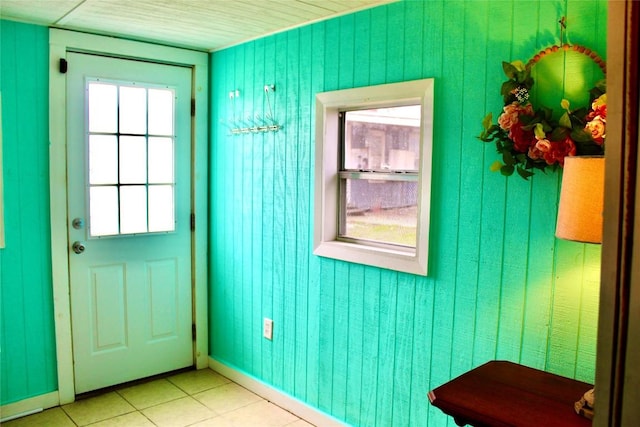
(62, 42)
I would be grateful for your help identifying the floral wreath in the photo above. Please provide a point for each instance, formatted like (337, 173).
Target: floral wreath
(529, 138)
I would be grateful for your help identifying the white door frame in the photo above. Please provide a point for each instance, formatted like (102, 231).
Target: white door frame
(62, 41)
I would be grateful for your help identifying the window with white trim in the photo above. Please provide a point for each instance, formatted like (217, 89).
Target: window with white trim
(373, 175)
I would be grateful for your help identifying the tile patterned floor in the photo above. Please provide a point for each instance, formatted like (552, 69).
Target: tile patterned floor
(194, 398)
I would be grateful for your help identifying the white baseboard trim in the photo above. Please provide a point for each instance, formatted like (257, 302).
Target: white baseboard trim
(29, 406)
(283, 400)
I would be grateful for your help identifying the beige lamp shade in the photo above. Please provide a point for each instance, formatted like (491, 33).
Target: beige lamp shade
(581, 200)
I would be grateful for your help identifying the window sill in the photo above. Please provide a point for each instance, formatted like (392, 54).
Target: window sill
(398, 260)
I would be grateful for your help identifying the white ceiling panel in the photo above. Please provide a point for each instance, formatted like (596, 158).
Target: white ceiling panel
(199, 24)
(44, 12)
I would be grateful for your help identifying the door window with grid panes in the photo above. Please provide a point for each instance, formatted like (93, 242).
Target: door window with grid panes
(131, 158)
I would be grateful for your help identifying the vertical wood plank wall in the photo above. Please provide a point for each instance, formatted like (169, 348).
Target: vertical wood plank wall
(361, 343)
(27, 353)
(366, 344)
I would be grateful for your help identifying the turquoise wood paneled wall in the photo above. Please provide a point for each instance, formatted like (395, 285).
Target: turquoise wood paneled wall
(27, 357)
(366, 344)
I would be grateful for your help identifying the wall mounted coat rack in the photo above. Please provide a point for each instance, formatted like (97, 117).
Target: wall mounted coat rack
(255, 123)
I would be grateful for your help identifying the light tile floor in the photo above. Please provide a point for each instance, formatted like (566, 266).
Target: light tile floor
(195, 398)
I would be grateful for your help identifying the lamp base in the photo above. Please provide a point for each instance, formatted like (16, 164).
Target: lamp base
(584, 406)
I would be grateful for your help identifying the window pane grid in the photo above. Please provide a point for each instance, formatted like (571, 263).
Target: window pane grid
(136, 193)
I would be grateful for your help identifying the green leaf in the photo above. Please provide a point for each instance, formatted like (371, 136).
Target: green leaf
(589, 148)
(581, 135)
(548, 113)
(487, 121)
(526, 120)
(559, 134)
(528, 82)
(522, 158)
(565, 121)
(508, 158)
(539, 132)
(509, 70)
(495, 166)
(524, 173)
(578, 115)
(506, 170)
(507, 87)
(524, 78)
(494, 132)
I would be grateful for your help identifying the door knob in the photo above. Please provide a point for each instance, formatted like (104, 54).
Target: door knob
(78, 247)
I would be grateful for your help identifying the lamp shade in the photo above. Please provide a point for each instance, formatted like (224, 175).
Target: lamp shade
(581, 200)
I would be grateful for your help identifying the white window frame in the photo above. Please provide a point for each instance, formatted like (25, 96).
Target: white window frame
(327, 183)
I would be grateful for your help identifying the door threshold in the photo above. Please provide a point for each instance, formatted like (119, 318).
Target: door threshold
(104, 390)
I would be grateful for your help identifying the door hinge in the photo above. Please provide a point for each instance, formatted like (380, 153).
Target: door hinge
(193, 222)
(193, 107)
(64, 65)
(193, 331)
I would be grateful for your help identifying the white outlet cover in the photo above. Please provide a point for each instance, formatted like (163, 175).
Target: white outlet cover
(267, 329)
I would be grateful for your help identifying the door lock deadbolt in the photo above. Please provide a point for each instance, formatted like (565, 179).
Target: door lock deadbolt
(77, 223)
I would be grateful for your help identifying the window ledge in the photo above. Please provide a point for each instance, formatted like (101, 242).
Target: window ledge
(397, 260)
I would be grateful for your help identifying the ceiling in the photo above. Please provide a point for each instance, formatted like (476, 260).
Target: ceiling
(199, 24)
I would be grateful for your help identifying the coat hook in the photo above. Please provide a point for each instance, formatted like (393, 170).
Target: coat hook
(267, 89)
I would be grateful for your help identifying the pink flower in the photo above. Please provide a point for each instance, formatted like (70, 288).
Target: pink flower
(598, 108)
(506, 121)
(534, 153)
(597, 128)
(512, 113)
(543, 145)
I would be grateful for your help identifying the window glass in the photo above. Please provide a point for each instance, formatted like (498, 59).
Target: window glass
(103, 211)
(133, 209)
(375, 206)
(160, 160)
(103, 159)
(381, 211)
(127, 164)
(103, 108)
(382, 139)
(133, 160)
(161, 112)
(133, 110)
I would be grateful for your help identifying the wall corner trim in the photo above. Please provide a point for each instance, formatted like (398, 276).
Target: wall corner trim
(278, 397)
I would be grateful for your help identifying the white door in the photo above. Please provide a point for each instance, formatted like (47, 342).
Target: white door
(129, 196)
